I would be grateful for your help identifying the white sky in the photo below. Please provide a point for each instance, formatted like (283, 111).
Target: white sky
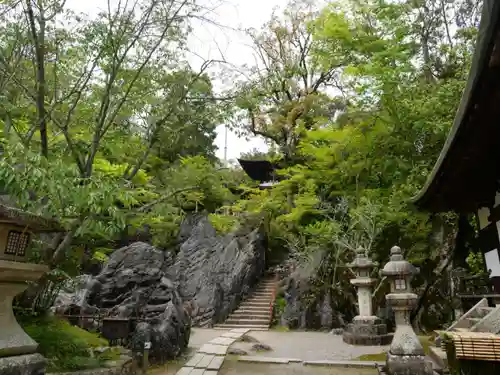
(206, 41)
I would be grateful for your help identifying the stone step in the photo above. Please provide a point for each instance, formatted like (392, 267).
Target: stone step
(474, 321)
(260, 298)
(254, 327)
(256, 310)
(262, 295)
(438, 356)
(481, 312)
(257, 305)
(268, 286)
(249, 316)
(259, 302)
(263, 292)
(238, 321)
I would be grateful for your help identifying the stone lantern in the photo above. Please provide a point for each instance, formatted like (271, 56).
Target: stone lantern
(365, 329)
(17, 350)
(406, 355)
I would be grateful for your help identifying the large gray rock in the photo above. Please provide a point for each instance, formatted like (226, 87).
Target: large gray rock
(215, 272)
(308, 307)
(133, 284)
(72, 295)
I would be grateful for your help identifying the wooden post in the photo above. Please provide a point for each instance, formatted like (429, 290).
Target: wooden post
(145, 357)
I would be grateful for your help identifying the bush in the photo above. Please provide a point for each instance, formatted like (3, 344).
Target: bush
(66, 347)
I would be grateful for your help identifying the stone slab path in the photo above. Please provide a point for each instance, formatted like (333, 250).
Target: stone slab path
(210, 356)
(304, 348)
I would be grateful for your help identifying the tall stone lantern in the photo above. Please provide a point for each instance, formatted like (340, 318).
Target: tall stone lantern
(18, 351)
(365, 329)
(406, 355)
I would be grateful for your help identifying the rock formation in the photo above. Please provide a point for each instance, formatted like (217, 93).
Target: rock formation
(215, 272)
(166, 293)
(133, 285)
(305, 309)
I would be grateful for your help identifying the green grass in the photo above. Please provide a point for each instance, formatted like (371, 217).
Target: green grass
(66, 347)
(381, 357)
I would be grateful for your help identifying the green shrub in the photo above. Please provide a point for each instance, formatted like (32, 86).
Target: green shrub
(66, 347)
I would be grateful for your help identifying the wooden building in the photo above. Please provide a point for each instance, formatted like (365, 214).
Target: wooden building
(466, 177)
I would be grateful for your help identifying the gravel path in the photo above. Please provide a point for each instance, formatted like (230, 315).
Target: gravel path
(307, 346)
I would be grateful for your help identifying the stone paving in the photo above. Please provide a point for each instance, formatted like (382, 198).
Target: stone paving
(210, 356)
(305, 348)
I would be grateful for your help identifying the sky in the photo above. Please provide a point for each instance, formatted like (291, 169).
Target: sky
(208, 39)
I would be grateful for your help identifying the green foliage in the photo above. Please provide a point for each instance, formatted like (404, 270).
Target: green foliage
(115, 132)
(352, 163)
(278, 309)
(223, 224)
(476, 263)
(66, 347)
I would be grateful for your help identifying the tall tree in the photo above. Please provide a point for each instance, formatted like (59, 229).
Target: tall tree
(286, 93)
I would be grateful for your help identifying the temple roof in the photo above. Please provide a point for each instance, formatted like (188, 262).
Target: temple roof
(258, 170)
(466, 174)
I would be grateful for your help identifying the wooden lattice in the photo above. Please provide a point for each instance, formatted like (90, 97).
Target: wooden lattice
(476, 345)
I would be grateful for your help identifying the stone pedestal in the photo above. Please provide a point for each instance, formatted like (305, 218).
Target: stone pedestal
(365, 329)
(406, 355)
(28, 364)
(17, 350)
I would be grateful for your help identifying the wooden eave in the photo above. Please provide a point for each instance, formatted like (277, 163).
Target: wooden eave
(466, 174)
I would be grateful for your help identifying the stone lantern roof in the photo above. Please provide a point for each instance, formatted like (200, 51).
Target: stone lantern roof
(11, 215)
(361, 261)
(398, 266)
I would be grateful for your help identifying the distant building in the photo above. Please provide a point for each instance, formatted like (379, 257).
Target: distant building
(262, 171)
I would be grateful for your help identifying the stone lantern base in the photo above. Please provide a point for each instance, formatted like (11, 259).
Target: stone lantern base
(28, 364)
(408, 365)
(367, 331)
(18, 354)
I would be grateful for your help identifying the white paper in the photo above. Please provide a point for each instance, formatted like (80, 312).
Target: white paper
(492, 262)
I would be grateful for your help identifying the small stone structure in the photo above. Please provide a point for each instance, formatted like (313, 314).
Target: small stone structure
(17, 350)
(365, 329)
(406, 355)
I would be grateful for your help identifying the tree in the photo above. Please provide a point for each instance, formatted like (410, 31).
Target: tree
(401, 80)
(285, 94)
(89, 107)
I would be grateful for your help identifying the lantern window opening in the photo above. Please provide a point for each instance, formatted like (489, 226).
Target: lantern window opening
(17, 243)
(363, 273)
(400, 284)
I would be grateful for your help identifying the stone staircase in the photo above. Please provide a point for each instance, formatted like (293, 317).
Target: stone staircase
(481, 318)
(254, 313)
